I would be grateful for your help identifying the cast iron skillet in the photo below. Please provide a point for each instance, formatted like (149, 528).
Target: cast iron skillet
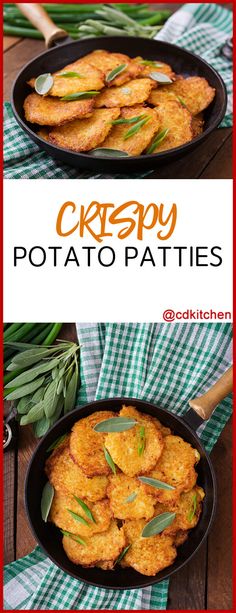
(182, 61)
(49, 537)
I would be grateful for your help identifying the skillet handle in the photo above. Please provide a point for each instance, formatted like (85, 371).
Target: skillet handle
(40, 19)
(204, 405)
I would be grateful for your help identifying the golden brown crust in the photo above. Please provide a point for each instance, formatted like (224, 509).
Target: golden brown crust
(122, 487)
(99, 548)
(85, 134)
(106, 62)
(48, 111)
(194, 92)
(134, 92)
(147, 555)
(61, 517)
(178, 121)
(91, 79)
(137, 143)
(87, 446)
(158, 67)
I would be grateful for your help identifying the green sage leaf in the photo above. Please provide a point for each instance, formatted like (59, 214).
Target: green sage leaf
(43, 83)
(57, 442)
(160, 485)
(71, 390)
(78, 518)
(115, 72)
(132, 131)
(108, 153)
(46, 500)
(32, 373)
(131, 497)
(31, 356)
(34, 414)
(25, 389)
(51, 398)
(80, 95)
(24, 404)
(122, 554)
(193, 510)
(109, 460)
(41, 427)
(74, 537)
(115, 424)
(85, 509)
(158, 140)
(160, 77)
(158, 524)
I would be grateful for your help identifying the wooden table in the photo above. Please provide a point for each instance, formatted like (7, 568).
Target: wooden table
(204, 583)
(210, 160)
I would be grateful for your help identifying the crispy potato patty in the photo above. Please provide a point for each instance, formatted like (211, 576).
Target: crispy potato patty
(60, 515)
(91, 78)
(154, 66)
(66, 476)
(133, 92)
(106, 62)
(135, 144)
(178, 121)
(102, 547)
(48, 111)
(120, 489)
(195, 93)
(147, 555)
(124, 447)
(87, 446)
(85, 134)
(187, 510)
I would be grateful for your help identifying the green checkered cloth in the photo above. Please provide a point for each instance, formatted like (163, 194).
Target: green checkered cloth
(164, 363)
(201, 28)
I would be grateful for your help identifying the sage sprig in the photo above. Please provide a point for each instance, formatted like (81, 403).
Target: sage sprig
(46, 500)
(56, 443)
(43, 83)
(160, 77)
(46, 385)
(115, 424)
(158, 524)
(193, 509)
(160, 485)
(115, 72)
(131, 497)
(132, 131)
(108, 153)
(109, 460)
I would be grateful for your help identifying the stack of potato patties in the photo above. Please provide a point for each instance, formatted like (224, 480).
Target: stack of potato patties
(101, 505)
(97, 99)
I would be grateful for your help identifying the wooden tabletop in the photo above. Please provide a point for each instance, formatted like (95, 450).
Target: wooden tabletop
(210, 160)
(204, 583)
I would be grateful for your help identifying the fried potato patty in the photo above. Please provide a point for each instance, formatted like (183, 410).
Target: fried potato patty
(106, 62)
(197, 124)
(119, 490)
(147, 555)
(66, 476)
(178, 120)
(139, 141)
(175, 467)
(102, 547)
(60, 515)
(133, 92)
(187, 509)
(154, 66)
(48, 111)
(195, 93)
(85, 134)
(124, 447)
(43, 133)
(91, 78)
(87, 446)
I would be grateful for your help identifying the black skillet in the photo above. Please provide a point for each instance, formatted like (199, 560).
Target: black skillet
(65, 52)
(49, 537)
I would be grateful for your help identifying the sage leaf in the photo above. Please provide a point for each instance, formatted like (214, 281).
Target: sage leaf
(32, 373)
(31, 356)
(193, 510)
(108, 153)
(80, 95)
(70, 75)
(51, 398)
(78, 517)
(122, 554)
(160, 485)
(115, 72)
(109, 460)
(157, 140)
(131, 497)
(57, 411)
(60, 386)
(24, 405)
(132, 131)
(25, 389)
(115, 424)
(34, 414)
(85, 509)
(71, 390)
(46, 500)
(74, 537)
(41, 426)
(160, 77)
(43, 83)
(158, 524)
(57, 442)
(121, 121)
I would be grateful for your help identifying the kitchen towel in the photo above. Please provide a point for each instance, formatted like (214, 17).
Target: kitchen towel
(200, 28)
(166, 364)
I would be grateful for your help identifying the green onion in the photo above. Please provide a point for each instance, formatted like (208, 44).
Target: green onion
(109, 460)
(158, 140)
(80, 95)
(136, 128)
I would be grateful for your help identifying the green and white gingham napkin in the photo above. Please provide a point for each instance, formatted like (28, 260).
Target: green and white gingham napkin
(201, 28)
(164, 363)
